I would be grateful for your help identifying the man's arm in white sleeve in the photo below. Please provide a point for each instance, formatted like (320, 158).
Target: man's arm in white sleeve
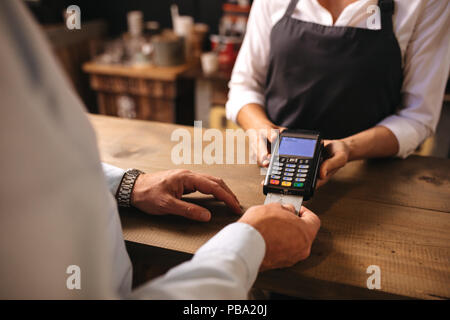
(113, 176)
(426, 70)
(223, 268)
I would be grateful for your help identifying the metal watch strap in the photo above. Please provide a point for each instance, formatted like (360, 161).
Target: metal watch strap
(126, 186)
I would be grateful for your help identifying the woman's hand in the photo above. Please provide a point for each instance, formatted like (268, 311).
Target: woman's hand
(376, 142)
(160, 193)
(337, 154)
(253, 118)
(261, 143)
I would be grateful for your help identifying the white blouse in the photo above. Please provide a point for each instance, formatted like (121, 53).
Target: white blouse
(422, 30)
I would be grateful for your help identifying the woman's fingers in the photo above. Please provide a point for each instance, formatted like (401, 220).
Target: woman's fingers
(258, 146)
(263, 154)
(337, 161)
(260, 141)
(322, 181)
(266, 138)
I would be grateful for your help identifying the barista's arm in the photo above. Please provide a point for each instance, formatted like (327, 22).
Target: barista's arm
(376, 142)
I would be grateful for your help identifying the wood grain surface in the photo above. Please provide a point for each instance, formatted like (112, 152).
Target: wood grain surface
(147, 72)
(391, 213)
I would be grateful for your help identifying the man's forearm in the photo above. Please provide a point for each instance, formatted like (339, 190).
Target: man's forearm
(376, 142)
(223, 268)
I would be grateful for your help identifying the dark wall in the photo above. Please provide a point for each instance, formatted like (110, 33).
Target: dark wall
(114, 11)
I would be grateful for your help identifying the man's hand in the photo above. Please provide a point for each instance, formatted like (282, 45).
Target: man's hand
(288, 237)
(160, 193)
(337, 154)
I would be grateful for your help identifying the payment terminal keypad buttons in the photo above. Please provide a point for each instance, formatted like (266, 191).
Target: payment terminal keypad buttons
(278, 164)
(289, 172)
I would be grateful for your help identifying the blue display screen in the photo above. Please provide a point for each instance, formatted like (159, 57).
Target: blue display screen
(299, 147)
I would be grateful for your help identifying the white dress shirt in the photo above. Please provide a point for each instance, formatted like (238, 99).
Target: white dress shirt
(422, 31)
(57, 208)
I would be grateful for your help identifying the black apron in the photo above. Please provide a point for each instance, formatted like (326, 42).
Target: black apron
(337, 80)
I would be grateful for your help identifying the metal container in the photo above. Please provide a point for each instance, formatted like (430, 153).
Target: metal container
(168, 51)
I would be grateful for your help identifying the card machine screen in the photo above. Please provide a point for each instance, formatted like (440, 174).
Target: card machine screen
(299, 147)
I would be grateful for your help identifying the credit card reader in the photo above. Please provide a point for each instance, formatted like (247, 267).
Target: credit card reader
(294, 167)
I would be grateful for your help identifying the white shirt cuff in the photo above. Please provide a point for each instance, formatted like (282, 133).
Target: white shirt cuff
(113, 176)
(409, 133)
(244, 241)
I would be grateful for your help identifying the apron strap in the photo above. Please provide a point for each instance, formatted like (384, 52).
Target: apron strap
(386, 10)
(290, 9)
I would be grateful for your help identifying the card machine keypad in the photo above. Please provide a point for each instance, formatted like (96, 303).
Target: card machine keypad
(289, 172)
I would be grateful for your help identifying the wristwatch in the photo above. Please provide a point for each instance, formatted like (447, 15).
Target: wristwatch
(126, 186)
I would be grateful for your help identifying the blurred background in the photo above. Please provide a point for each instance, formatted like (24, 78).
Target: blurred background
(156, 60)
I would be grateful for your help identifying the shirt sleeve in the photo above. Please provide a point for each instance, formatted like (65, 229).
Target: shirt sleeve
(426, 70)
(223, 268)
(249, 72)
(67, 238)
(113, 176)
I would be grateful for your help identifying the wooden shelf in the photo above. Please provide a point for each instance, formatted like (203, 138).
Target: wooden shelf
(146, 72)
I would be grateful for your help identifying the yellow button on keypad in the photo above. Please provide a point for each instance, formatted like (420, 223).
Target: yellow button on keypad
(286, 184)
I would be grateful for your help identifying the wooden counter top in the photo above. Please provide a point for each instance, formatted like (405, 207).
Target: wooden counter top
(391, 213)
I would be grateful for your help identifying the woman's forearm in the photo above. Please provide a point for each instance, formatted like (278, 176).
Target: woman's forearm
(253, 116)
(376, 142)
